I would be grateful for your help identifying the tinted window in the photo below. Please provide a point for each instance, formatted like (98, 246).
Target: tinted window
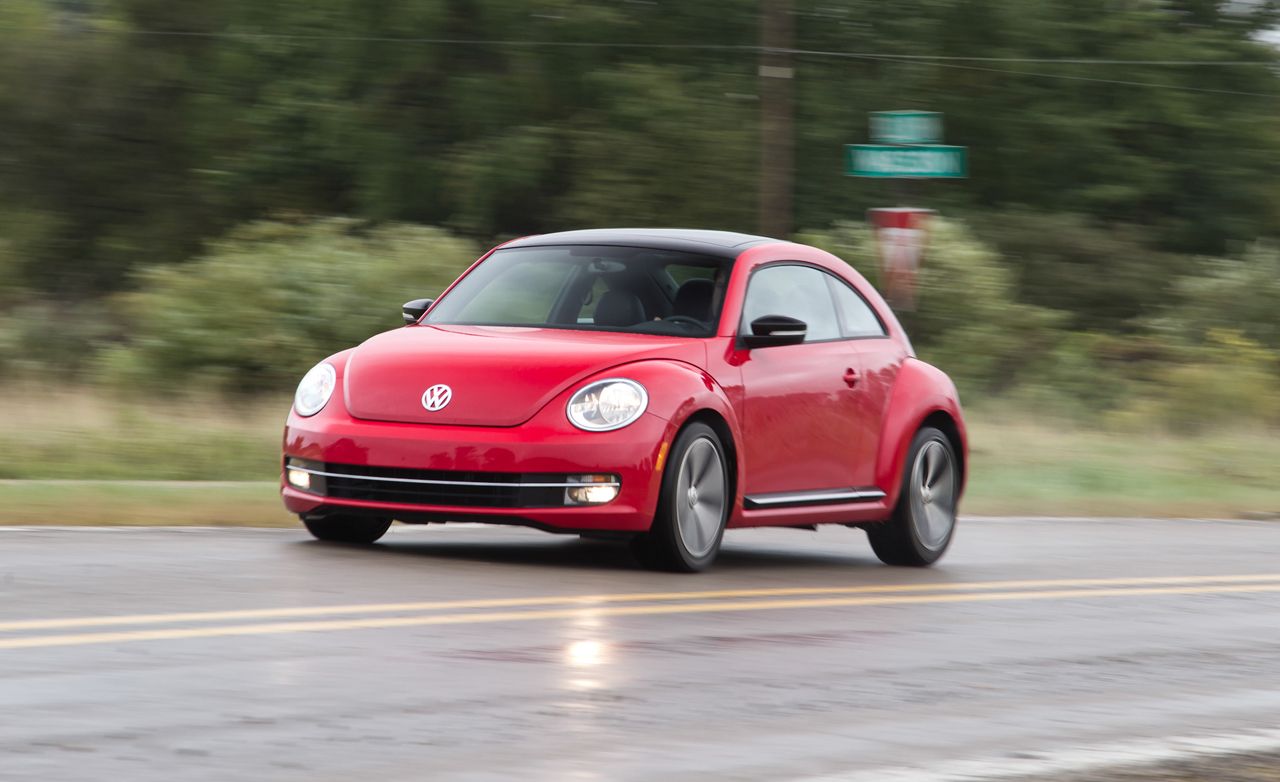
(681, 273)
(588, 312)
(797, 292)
(589, 288)
(522, 296)
(859, 319)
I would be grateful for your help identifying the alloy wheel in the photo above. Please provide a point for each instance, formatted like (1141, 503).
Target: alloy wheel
(700, 497)
(933, 495)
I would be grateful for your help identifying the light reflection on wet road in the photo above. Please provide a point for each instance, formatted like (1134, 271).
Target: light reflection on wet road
(494, 653)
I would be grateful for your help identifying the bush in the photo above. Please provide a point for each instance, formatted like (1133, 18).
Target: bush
(1227, 381)
(45, 339)
(1209, 354)
(1104, 275)
(269, 300)
(272, 298)
(1232, 294)
(967, 320)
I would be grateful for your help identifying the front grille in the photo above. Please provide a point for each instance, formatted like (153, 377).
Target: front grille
(468, 489)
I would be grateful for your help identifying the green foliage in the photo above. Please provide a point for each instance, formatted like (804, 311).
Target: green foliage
(1227, 381)
(1233, 293)
(1179, 149)
(9, 288)
(128, 148)
(1105, 209)
(264, 304)
(1104, 274)
(634, 165)
(967, 320)
(38, 337)
(1201, 359)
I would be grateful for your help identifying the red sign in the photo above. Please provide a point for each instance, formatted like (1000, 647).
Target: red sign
(901, 236)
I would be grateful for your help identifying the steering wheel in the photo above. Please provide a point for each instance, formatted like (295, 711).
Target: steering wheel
(685, 320)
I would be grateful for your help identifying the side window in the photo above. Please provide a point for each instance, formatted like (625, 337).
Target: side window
(797, 292)
(859, 319)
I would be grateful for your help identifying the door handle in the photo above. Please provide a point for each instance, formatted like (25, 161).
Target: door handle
(850, 377)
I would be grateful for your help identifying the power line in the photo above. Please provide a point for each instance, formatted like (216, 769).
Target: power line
(1067, 77)
(743, 48)
(937, 61)
(939, 58)
(514, 43)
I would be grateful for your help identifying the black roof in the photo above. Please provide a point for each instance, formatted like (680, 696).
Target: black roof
(720, 243)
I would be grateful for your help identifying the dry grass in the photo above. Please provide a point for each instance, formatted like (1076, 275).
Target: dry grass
(135, 451)
(143, 503)
(79, 434)
(1025, 466)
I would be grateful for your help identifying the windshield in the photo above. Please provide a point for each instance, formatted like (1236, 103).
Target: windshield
(633, 289)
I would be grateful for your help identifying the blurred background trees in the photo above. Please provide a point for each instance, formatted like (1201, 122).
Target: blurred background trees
(224, 191)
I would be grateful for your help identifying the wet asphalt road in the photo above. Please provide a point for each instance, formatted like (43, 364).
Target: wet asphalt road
(494, 653)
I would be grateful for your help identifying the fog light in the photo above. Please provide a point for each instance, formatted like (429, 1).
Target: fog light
(596, 490)
(298, 479)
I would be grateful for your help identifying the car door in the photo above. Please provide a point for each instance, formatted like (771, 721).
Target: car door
(797, 398)
(879, 359)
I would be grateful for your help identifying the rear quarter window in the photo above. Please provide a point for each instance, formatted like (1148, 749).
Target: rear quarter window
(857, 317)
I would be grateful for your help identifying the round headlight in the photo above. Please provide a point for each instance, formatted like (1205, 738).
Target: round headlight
(315, 389)
(607, 404)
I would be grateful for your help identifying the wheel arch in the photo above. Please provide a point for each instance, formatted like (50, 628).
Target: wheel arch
(720, 426)
(922, 396)
(943, 422)
(682, 393)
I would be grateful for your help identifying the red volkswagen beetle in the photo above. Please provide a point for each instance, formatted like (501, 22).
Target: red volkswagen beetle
(662, 385)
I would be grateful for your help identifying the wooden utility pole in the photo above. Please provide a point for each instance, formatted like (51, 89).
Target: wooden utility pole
(777, 143)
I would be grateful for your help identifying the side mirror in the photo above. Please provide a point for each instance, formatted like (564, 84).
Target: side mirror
(773, 330)
(412, 310)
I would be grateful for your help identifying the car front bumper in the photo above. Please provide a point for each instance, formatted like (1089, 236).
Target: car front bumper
(543, 446)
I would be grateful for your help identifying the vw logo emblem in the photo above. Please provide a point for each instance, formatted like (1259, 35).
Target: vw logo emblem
(436, 397)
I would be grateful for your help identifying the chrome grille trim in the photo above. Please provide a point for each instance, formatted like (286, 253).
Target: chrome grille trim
(434, 482)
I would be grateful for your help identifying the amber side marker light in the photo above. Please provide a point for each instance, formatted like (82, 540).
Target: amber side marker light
(662, 456)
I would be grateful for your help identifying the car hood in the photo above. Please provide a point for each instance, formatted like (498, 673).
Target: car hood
(498, 375)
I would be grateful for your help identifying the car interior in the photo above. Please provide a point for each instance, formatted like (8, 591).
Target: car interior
(607, 288)
(642, 296)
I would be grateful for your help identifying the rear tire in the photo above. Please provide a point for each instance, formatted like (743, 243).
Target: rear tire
(347, 529)
(693, 506)
(924, 520)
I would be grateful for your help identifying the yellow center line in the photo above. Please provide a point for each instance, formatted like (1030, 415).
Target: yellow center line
(631, 597)
(276, 628)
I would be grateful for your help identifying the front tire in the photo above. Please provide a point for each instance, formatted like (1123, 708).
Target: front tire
(693, 506)
(347, 529)
(924, 521)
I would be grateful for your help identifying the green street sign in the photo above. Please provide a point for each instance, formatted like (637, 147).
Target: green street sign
(906, 127)
(923, 162)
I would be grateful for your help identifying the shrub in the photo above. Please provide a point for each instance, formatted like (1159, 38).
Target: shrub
(967, 319)
(1232, 294)
(1104, 275)
(41, 338)
(272, 298)
(1227, 381)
